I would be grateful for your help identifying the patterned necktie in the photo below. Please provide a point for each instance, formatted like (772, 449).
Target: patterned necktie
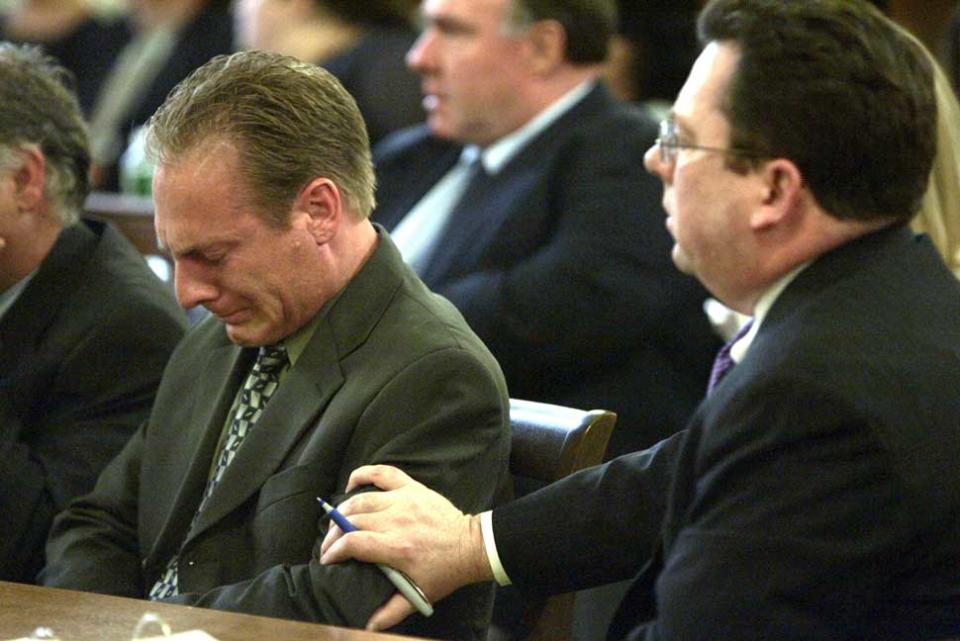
(257, 389)
(723, 363)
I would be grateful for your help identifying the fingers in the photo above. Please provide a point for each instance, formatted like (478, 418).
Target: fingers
(385, 477)
(370, 547)
(390, 613)
(333, 534)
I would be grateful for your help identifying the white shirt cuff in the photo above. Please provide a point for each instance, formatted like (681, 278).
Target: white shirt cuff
(486, 529)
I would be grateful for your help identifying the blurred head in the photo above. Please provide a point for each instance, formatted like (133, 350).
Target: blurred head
(489, 66)
(263, 188)
(282, 25)
(39, 112)
(802, 125)
(150, 14)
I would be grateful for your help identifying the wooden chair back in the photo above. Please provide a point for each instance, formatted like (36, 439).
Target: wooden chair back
(549, 442)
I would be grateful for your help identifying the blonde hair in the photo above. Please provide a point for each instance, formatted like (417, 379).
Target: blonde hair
(939, 214)
(291, 122)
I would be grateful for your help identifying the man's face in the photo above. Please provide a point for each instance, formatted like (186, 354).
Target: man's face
(262, 282)
(707, 204)
(471, 70)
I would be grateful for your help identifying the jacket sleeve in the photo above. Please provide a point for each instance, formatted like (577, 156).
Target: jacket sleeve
(88, 401)
(597, 526)
(444, 420)
(93, 545)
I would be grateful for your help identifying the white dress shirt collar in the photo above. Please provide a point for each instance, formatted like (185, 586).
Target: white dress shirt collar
(498, 154)
(9, 297)
(739, 349)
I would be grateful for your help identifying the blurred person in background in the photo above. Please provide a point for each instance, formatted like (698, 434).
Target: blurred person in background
(83, 38)
(362, 43)
(521, 201)
(167, 40)
(85, 328)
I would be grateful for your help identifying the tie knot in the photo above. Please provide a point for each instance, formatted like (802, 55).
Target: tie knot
(271, 359)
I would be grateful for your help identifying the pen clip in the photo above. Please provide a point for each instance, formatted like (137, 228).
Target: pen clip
(413, 584)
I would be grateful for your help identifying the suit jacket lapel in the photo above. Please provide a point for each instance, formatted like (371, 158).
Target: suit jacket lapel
(481, 215)
(40, 302)
(305, 390)
(224, 367)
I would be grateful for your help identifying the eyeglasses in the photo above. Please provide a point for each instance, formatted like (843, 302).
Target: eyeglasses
(669, 142)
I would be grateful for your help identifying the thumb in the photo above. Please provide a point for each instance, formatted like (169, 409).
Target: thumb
(390, 613)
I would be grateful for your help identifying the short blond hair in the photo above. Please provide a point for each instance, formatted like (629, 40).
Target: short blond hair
(291, 122)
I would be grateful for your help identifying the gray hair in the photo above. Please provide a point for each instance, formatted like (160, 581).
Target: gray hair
(39, 109)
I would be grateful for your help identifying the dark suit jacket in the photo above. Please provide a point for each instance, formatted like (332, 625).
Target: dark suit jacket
(816, 493)
(565, 271)
(376, 75)
(81, 354)
(391, 375)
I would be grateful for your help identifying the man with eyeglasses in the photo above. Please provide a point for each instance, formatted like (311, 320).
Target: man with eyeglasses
(816, 492)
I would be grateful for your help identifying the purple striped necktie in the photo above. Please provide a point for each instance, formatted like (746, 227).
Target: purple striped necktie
(723, 363)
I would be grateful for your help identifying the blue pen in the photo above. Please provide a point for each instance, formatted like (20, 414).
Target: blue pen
(404, 584)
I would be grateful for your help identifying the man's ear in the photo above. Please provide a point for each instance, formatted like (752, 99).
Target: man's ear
(29, 178)
(548, 45)
(319, 207)
(781, 184)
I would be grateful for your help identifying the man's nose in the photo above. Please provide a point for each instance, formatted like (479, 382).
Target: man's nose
(654, 163)
(420, 55)
(190, 287)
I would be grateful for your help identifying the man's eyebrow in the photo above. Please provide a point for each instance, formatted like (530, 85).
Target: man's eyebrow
(446, 24)
(681, 124)
(199, 249)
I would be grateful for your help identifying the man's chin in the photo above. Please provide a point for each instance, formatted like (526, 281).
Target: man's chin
(681, 260)
(244, 335)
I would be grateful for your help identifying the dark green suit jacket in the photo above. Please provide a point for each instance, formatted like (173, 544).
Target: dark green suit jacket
(391, 375)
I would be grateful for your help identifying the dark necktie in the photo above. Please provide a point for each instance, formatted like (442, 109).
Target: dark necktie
(723, 363)
(463, 223)
(257, 389)
(463, 215)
